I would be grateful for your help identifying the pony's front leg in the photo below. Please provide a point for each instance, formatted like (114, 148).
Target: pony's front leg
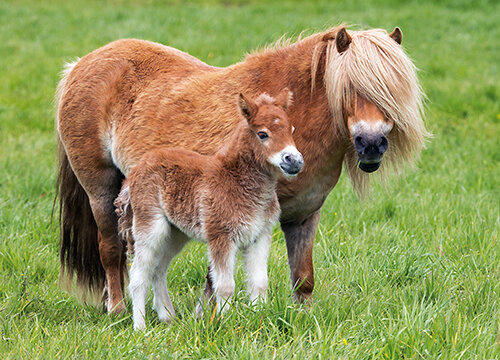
(222, 260)
(255, 258)
(299, 243)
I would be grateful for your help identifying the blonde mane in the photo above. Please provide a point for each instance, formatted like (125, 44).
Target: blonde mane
(376, 68)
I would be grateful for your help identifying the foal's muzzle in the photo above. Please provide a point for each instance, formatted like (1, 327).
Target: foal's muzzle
(370, 148)
(291, 162)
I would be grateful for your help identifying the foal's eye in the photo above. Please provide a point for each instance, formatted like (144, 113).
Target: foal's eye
(262, 135)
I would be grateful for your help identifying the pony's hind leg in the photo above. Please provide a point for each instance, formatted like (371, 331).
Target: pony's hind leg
(149, 240)
(101, 181)
(111, 248)
(255, 258)
(222, 260)
(171, 247)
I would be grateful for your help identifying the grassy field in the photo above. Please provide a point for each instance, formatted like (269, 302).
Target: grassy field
(413, 272)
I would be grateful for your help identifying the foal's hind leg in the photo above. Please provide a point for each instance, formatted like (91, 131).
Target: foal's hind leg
(171, 247)
(149, 240)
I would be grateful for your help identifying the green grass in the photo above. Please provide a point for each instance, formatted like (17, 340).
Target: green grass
(412, 272)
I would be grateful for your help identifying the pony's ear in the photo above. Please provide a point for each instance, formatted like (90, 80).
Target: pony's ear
(247, 107)
(328, 36)
(284, 99)
(397, 35)
(342, 40)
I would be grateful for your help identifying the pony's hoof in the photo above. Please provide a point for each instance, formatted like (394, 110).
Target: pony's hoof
(117, 309)
(303, 298)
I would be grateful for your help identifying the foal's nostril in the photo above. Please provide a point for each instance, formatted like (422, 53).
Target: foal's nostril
(292, 163)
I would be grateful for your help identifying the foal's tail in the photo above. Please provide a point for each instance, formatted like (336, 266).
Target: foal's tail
(125, 216)
(79, 248)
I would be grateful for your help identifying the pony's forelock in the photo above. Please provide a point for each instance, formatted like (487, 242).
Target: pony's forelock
(377, 69)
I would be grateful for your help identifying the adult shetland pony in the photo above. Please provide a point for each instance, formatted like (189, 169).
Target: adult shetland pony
(357, 100)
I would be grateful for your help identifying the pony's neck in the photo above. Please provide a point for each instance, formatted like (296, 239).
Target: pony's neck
(288, 66)
(291, 66)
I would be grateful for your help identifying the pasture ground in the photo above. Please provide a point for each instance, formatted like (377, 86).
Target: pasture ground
(413, 272)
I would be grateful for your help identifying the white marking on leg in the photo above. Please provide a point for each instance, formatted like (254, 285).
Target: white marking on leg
(255, 257)
(222, 274)
(147, 243)
(161, 300)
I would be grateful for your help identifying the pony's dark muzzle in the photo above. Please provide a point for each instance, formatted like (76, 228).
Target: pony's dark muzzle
(370, 150)
(291, 163)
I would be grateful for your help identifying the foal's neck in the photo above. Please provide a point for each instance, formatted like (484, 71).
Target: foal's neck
(240, 160)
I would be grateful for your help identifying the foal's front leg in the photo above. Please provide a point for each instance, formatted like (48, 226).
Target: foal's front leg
(222, 251)
(255, 258)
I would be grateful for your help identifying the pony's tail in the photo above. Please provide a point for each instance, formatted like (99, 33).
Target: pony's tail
(79, 248)
(125, 217)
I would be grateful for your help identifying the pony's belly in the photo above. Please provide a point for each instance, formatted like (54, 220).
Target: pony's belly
(304, 204)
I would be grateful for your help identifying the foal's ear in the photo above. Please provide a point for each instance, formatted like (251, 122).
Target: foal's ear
(397, 35)
(342, 40)
(247, 107)
(284, 99)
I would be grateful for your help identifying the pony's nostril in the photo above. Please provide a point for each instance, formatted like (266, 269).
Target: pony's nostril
(384, 144)
(358, 144)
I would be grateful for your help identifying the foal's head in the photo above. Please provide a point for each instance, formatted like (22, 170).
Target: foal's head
(270, 132)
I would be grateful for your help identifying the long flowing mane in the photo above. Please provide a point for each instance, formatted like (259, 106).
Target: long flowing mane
(376, 68)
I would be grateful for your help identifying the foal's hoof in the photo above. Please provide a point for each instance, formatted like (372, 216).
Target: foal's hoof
(198, 310)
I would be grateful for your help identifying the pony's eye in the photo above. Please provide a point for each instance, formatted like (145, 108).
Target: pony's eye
(262, 135)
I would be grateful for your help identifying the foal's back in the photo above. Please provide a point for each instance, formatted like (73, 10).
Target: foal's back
(170, 182)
